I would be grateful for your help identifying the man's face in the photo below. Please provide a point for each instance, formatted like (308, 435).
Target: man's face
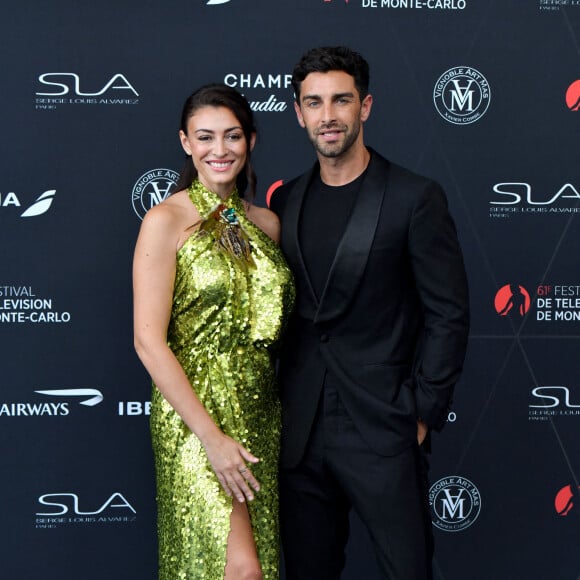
(331, 111)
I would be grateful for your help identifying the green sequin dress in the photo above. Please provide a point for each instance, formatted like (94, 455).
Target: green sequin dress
(224, 319)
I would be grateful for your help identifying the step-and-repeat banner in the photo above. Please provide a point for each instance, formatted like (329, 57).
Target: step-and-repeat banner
(482, 95)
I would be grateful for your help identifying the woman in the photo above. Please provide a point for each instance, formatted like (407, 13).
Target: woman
(211, 292)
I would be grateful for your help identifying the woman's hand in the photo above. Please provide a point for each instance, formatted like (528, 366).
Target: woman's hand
(228, 459)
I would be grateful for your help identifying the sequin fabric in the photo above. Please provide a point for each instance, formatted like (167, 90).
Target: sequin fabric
(225, 320)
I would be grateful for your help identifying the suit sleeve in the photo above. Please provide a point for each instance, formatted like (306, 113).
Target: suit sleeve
(441, 282)
(277, 201)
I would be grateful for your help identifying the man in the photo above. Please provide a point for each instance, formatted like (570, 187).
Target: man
(378, 338)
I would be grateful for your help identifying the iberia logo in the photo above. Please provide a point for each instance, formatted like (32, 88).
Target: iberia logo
(573, 96)
(566, 498)
(512, 299)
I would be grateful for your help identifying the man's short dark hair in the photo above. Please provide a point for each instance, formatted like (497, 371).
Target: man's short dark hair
(329, 58)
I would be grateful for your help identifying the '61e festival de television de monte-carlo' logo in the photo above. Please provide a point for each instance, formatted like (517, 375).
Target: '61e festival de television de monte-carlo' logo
(397, 4)
(551, 302)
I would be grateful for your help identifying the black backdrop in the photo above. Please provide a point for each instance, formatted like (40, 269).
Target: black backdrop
(479, 94)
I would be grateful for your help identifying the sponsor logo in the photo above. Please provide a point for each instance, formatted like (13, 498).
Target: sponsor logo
(558, 302)
(512, 299)
(56, 509)
(266, 92)
(58, 408)
(552, 302)
(518, 197)
(151, 189)
(573, 96)
(66, 88)
(566, 499)
(272, 189)
(411, 4)
(214, 2)
(38, 207)
(134, 408)
(19, 304)
(555, 5)
(455, 503)
(94, 396)
(551, 401)
(461, 95)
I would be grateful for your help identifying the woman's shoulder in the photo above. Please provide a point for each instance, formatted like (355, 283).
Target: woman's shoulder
(265, 219)
(171, 212)
(169, 223)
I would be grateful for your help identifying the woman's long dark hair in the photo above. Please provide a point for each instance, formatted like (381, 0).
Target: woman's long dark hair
(220, 95)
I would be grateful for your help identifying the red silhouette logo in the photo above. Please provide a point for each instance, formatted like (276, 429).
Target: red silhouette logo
(565, 499)
(573, 96)
(512, 299)
(273, 187)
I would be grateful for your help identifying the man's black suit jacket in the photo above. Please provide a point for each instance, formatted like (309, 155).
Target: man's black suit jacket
(391, 325)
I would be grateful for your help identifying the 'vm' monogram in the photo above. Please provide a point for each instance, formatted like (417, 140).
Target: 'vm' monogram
(462, 97)
(452, 505)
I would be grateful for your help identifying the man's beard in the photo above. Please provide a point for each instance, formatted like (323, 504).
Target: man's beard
(333, 150)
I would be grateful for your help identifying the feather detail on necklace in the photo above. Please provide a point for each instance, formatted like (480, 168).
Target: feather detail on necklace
(224, 226)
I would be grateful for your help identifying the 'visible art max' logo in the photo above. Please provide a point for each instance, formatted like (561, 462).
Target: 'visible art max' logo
(462, 95)
(455, 503)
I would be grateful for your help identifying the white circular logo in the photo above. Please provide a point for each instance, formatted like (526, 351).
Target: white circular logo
(455, 503)
(151, 189)
(461, 95)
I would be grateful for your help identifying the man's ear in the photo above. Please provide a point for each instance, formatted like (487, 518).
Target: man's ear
(366, 106)
(299, 115)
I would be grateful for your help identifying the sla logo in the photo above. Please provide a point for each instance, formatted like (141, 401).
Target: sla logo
(65, 508)
(40, 206)
(151, 189)
(64, 88)
(455, 503)
(71, 504)
(461, 95)
(552, 401)
(71, 82)
(517, 192)
(566, 498)
(512, 298)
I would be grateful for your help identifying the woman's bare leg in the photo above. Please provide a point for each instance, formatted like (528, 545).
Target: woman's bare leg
(241, 557)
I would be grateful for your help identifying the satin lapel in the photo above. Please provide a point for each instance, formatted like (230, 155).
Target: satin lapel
(354, 247)
(290, 237)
